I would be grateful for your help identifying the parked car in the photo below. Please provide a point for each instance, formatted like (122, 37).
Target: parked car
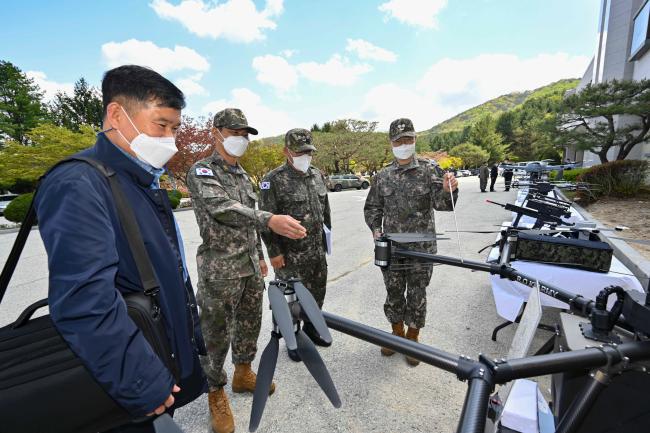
(463, 173)
(4, 201)
(338, 182)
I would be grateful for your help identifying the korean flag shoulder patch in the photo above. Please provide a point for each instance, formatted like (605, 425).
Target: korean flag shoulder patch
(204, 171)
(265, 185)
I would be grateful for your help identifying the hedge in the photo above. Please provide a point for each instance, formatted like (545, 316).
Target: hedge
(16, 210)
(174, 197)
(615, 178)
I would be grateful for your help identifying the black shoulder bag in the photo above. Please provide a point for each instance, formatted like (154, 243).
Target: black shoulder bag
(44, 386)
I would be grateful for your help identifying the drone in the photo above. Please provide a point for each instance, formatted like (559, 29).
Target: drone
(541, 166)
(607, 358)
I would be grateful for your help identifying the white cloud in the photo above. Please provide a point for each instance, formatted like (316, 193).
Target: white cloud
(417, 13)
(48, 87)
(467, 82)
(284, 76)
(389, 101)
(367, 51)
(275, 71)
(337, 71)
(235, 20)
(266, 120)
(288, 53)
(451, 86)
(190, 85)
(160, 59)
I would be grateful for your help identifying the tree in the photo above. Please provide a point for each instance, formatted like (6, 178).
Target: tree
(375, 154)
(20, 103)
(261, 158)
(484, 135)
(342, 143)
(604, 116)
(84, 107)
(194, 142)
(50, 144)
(471, 154)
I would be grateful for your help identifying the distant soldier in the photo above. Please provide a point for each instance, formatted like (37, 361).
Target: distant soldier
(230, 261)
(507, 175)
(402, 198)
(494, 173)
(298, 189)
(483, 175)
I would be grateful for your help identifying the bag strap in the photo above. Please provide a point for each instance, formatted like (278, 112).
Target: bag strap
(125, 215)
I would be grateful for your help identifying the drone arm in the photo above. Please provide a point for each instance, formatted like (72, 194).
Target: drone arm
(577, 303)
(428, 355)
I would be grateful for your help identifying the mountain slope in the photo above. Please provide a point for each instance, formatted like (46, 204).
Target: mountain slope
(499, 105)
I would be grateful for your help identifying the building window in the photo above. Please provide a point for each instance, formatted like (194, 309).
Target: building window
(641, 36)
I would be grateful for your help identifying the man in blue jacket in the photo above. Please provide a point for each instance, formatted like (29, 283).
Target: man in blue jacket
(90, 263)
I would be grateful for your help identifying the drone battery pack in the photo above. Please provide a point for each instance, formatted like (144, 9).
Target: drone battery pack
(590, 255)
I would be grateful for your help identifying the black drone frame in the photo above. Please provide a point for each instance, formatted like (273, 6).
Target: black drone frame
(291, 302)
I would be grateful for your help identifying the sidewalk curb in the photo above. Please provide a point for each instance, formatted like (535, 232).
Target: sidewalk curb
(631, 258)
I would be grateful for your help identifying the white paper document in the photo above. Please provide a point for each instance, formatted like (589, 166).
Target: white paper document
(328, 239)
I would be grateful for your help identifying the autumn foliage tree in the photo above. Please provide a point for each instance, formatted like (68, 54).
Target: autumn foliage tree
(194, 142)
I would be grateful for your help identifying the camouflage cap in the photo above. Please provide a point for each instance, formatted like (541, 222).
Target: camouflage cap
(298, 140)
(232, 118)
(401, 128)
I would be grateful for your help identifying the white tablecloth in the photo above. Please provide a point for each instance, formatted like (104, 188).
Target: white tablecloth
(509, 296)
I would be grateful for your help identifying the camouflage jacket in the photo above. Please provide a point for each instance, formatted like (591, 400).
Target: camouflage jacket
(402, 199)
(224, 205)
(287, 191)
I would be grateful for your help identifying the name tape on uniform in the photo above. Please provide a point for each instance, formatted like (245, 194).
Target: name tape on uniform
(204, 171)
(265, 185)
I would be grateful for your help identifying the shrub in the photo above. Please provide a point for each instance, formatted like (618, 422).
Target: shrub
(569, 175)
(174, 197)
(622, 178)
(17, 209)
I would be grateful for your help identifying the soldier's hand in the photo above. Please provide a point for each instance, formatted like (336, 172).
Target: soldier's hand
(167, 404)
(446, 179)
(263, 268)
(278, 262)
(287, 226)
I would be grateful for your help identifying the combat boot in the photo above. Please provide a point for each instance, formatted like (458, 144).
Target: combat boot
(220, 412)
(412, 334)
(244, 379)
(398, 329)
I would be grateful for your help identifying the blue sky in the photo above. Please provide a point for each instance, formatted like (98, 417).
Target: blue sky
(290, 63)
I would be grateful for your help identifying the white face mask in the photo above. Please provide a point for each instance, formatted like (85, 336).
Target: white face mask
(301, 163)
(235, 145)
(405, 151)
(155, 151)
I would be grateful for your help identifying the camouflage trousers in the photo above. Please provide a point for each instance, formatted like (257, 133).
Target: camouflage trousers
(483, 182)
(312, 272)
(231, 313)
(412, 308)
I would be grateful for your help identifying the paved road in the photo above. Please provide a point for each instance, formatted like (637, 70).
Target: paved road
(379, 394)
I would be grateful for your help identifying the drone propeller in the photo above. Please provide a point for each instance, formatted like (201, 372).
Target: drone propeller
(316, 367)
(282, 315)
(311, 310)
(284, 321)
(268, 361)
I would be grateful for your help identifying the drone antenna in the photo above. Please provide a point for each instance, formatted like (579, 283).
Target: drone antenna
(453, 208)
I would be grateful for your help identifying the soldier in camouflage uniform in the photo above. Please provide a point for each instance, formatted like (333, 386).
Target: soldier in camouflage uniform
(298, 189)
(401, 199)
(230, 261)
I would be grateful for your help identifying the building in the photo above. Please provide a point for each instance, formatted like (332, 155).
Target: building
(622, 53)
